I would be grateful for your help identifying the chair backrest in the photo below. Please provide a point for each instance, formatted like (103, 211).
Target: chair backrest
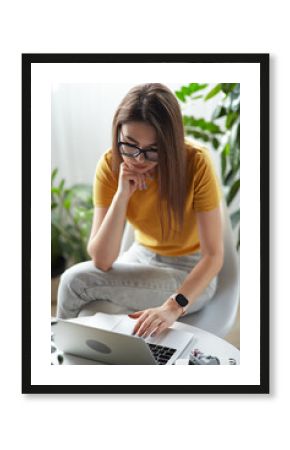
(128, 238)
(219, 315)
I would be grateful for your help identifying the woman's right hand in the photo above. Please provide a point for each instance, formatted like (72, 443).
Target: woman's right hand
(129, 181)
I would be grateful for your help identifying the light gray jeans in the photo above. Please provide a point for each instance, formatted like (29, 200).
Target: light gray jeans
(138, 279)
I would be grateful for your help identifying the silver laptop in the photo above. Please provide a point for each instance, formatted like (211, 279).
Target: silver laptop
(108, 338)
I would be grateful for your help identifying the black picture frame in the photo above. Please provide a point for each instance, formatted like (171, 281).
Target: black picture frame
(263, 61)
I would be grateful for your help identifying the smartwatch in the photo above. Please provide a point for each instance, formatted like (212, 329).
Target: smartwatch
(181, 301)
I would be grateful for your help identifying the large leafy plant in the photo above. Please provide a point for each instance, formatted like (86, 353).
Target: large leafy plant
(222, 132)
(71, 219)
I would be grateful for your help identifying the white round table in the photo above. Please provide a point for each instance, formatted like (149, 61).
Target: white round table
(209, 344)
(206, 342)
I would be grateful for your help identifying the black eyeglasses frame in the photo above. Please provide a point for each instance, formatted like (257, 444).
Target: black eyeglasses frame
(140, 150)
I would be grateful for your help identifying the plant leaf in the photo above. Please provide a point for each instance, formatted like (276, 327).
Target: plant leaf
(231, 118)
(234, 142)
(61, 185)
(180, 96)
(197, 134)
(197, 97)
(53, 174)
(235, 218)
(231, 176)
(233, 191)
(220, 111)
(213, 92)
(223, 164)
(187, 91)
(224, 156)
(228, 87)
(201, 123)
(67, 203)
(215, 143)
(194, 87)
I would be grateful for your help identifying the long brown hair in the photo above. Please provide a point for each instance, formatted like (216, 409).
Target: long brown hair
(156, 105)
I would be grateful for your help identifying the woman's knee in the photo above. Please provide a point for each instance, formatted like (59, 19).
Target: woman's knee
(72, 286)
(77, 273)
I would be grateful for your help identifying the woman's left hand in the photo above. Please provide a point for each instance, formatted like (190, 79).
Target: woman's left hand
(156, 320)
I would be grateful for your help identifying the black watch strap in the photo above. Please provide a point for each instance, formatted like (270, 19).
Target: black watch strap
(181, 300)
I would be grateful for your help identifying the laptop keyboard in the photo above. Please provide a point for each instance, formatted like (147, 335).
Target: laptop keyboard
(161, 354)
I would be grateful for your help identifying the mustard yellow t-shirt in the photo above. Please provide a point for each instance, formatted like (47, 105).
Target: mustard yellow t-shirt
(143, 209)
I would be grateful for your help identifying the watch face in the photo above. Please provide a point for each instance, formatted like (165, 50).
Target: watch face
(181, 300)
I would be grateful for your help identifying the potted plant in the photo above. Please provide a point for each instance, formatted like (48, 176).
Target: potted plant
(222, 132)
(71, 219)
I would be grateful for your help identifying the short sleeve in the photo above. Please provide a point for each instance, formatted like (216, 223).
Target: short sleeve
(207, 190)
(105, 181)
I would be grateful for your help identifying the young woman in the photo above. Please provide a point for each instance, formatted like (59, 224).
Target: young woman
(167, 189)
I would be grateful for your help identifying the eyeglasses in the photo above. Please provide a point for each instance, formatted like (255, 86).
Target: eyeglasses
(132, 151)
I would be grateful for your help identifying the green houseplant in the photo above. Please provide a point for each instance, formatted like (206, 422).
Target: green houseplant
(222, 132)
(71, 219)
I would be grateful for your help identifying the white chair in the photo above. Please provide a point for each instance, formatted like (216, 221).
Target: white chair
(219, 315)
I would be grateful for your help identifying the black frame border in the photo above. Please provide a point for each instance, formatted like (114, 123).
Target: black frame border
(263, 59)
